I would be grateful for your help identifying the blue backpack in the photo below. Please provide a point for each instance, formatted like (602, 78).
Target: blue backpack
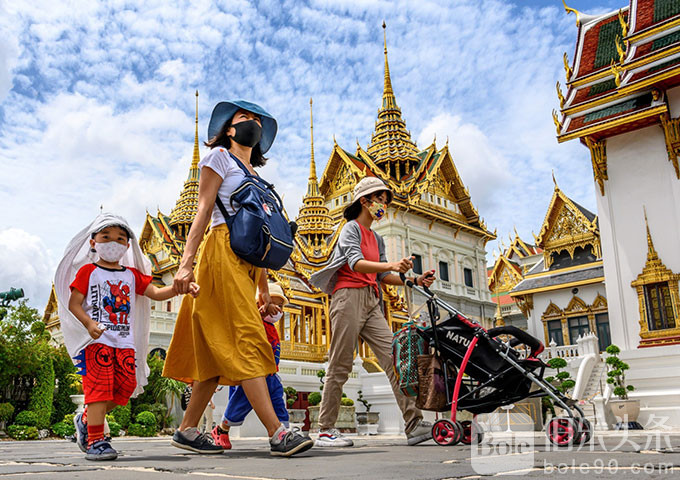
(259, 232)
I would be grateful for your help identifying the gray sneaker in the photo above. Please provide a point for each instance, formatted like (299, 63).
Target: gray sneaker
(331, 437)
(421, 433)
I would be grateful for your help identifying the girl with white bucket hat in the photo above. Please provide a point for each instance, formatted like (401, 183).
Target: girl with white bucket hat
(352, 278)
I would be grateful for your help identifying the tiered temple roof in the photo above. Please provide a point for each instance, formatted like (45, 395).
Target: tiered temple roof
(623, 62)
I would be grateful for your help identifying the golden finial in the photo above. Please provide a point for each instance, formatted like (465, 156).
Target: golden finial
(196, 156)
(615, 71)
(388, 81)
(447, 140)
(624, 24)
(567, 69)
(312, 163)
(515, 228)
(554, 181)
(574, 11)
(619, 48)
(556, 121)
(559, 94)
(651, 251)
(535, 237)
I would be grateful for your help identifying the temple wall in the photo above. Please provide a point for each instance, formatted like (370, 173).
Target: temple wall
(561, 298)
(639, 175)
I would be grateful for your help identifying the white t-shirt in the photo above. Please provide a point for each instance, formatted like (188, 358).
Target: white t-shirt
(226, 167)
(110, 300)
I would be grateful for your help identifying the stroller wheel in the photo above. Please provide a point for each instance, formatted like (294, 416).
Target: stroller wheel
(445, 432)
(563, 431)
(585, 431)
(466, 437)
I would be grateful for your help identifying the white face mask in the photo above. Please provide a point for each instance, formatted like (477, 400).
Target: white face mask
(273, 318)
(110, 251)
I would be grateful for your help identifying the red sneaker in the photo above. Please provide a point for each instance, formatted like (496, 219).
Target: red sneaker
(221, 437)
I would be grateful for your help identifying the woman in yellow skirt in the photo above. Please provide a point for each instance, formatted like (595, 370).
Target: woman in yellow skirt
(218, 337)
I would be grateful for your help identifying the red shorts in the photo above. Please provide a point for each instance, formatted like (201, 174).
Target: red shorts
(109, 374)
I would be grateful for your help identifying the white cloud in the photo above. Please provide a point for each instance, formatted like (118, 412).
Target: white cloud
(97, 102)
(483, 169)
(26, 263)
(9, 51)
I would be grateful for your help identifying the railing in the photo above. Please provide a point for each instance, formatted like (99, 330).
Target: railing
(585, 344)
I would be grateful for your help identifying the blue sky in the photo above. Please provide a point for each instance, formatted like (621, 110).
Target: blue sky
(97, 103)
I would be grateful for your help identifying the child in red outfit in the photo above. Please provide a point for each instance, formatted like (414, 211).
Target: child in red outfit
(103, 300)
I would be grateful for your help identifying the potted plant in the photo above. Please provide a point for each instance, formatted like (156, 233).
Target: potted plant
(367, 422)
(625, 410)
(297, 415)
(346, 421)
(314, 400)
(76, 381)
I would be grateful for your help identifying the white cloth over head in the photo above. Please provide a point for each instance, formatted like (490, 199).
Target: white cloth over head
(77, 254)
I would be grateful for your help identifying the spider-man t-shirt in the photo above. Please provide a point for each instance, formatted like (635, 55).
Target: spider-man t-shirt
(110, 300)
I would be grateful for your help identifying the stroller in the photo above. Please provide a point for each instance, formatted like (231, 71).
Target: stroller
(489, 373)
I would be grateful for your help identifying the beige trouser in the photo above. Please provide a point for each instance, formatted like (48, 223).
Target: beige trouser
(355, 312)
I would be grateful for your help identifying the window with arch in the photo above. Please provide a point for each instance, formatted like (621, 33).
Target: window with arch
(468, 278)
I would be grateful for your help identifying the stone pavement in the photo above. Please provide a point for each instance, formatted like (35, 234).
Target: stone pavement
(636, 455)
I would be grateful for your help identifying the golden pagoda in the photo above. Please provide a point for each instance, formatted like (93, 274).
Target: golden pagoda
(187, 204)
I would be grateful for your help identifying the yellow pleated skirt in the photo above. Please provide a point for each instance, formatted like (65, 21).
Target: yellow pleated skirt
(220, 333)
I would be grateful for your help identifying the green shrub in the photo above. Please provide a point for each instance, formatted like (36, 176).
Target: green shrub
(137, 430)
(141, 407)
(68, 418)
(616, 373)
(122, 415)
(63, 368)
(43, 394)
(314, 398)
(115, 428)
(63, 429)
(346, 402)
(6, 412)
(27, 418)
(22, 432)
(160, 411)
(147, 419)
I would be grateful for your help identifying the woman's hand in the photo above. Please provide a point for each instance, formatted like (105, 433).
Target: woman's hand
(183, 280)
(426, 279)
(402, 266)
(264, 301)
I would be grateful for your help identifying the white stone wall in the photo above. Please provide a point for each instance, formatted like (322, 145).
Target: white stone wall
(639, 175)
(561, 298)
(406, 233)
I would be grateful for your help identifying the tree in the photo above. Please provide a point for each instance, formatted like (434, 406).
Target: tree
(616, 373)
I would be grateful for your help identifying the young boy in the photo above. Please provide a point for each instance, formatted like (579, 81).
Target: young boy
(238, 406)
(103, 296)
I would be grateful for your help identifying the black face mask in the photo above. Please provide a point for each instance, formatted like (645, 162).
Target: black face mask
(248, 133)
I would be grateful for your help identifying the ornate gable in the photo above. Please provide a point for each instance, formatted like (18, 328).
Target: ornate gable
(504, 275)
(566, 227)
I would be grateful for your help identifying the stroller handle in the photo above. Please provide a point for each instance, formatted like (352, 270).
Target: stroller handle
(520, 337)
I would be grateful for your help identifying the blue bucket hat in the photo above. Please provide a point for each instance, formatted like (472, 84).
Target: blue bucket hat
(223, 111)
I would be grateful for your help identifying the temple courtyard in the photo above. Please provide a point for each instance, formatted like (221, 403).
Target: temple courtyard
(652, 454)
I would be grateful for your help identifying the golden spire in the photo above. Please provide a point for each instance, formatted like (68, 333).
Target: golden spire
(391, 141)
(651, 251)
(314, 223)
(187, 203)
(312, 184)
(387, 88)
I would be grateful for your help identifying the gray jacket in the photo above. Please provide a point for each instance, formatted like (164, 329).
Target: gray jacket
(346, 251)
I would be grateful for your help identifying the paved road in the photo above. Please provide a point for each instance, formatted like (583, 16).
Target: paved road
(375, 458)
